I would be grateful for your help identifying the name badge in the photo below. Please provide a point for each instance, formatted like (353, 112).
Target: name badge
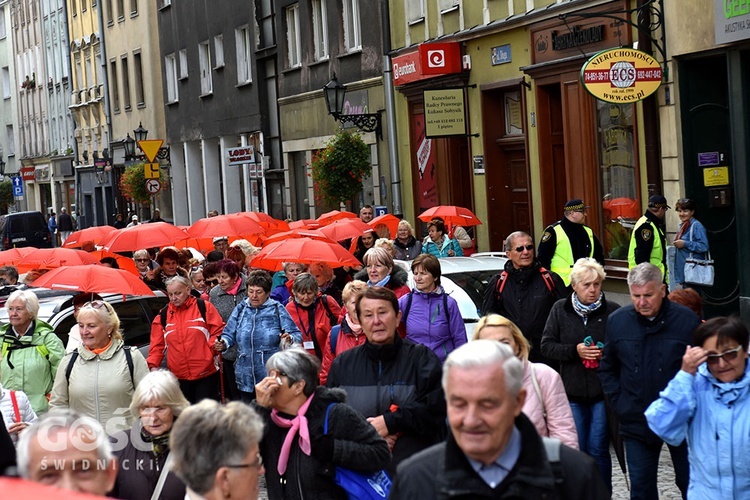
(308, 344)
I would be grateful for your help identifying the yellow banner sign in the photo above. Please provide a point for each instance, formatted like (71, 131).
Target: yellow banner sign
(444, 112)
(621, 75)
(151, 170)
(716, 176)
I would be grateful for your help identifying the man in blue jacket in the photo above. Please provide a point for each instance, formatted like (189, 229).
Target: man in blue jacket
(643, 351)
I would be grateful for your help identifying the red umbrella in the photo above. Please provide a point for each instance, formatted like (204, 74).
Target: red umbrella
(93, 234)
(94, 279)
(50, 258)
(314, 234)
(239, 224)
(13, 487)
(14, 255)
(388, 220)
(451, 215)
(335, 215)
(627, 208)
(267, 221)
(125, 263)
(345, 229)
(153, 234)
(304, 251)
(304, 223)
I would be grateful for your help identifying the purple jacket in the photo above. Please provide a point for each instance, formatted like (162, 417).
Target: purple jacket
(427, 323)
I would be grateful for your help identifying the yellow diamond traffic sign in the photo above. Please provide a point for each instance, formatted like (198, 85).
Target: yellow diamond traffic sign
(151, 170)
(150, 147)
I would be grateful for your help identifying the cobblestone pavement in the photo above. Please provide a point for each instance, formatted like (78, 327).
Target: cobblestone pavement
(667, 489)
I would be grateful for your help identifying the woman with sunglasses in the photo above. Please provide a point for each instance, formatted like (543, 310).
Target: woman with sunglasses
(298, 453)
(691, 240)
(99, 378)
(708, 403)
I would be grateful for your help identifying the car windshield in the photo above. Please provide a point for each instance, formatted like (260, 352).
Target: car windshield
(474, 283)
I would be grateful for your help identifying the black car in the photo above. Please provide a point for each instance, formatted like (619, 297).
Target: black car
(24, 229)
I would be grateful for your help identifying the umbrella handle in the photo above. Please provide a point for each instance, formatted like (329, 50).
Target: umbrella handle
(221, 380)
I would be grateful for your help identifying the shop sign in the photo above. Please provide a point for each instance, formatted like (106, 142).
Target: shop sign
(440, 58)
(501, 55)
(239, 156)
(731, 20)
(716, 176)
(41, 173)
(27, 173)
(444, 112)
(621, 75)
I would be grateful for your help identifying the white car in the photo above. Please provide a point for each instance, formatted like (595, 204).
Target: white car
(465, 279)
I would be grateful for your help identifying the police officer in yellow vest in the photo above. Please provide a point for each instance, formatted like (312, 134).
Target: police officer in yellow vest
(647, 243)
(568, 240)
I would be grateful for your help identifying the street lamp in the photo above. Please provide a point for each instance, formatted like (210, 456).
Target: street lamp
(129, 145)
(140, 134)
(334, 94)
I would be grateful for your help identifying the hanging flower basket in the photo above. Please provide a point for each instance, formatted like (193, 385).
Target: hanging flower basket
(133, 183)
(339, 168)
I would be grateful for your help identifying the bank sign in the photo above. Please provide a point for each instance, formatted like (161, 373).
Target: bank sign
(731, 20)
(621, 75)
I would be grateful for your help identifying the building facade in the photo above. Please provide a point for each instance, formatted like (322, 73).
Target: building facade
(211, 92)
(9, 106)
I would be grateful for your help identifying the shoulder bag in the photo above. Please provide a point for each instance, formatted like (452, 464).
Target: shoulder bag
(699, 271)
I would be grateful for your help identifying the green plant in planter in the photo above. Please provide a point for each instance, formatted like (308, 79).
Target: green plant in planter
(133, 183)
(6, 196)
(339, 168)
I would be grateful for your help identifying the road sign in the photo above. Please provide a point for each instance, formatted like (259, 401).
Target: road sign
(150, 148)
(153, 186)
(17, 187)
(151, 170)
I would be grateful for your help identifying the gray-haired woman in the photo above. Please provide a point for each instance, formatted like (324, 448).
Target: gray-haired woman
(31, 352)
(313, 313)
(298, 455)
(157, 402)
(215, 450)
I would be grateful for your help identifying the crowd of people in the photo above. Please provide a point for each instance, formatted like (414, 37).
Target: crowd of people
(312, 371)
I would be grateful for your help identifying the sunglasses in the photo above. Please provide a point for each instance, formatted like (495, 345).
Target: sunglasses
(522, 248)
(97, 304)
(141, 260)
(730, 355)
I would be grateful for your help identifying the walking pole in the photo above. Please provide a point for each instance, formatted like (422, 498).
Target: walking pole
(221, 379)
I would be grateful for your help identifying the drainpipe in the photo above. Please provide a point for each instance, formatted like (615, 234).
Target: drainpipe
(390, 108)
(107, 114)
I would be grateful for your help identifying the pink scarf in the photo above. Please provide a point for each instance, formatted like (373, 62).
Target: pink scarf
(297, 424)
(356, 329)
(236, 287)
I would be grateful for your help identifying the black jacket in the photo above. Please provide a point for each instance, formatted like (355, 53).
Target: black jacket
(526, 301)
(564, 331)
(408, 251)
(640, 358)
(399, 277)
(403, 374)
(352, 443)
(644, 246)
(580, 244)
(443, 472)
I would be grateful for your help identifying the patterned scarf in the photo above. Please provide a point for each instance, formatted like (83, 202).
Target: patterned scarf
(159, 444)
(585, 310)
(295, 425)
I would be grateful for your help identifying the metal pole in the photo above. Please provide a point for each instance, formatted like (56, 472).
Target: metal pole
(390, 107)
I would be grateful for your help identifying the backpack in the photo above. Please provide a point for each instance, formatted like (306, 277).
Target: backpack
(405, 313)
(128, 359)
(201, 308)
(331, 318)
(334, 336)
(546, 276)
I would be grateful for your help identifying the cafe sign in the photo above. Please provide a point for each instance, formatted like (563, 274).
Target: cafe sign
(621, 75)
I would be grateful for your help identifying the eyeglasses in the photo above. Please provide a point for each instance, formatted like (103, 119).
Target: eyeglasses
(730, 355)
(252, 465)
(522, 248)
(149, 410)
(141, 260)
(96, 304)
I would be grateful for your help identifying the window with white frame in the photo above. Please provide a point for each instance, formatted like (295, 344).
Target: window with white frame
(204, 59)
(244, 55)
(125, 82)
(6, 82)
(79, 83)
(183, 64)
(133, 8)
(10, 140)
(3, 31)
(447, 4)
(170, 69)
(320, 29)
(352, 29)
(293, 43)
(414, 10)
(140, 100)
(219, 51)
(120, 10)
(114, 90)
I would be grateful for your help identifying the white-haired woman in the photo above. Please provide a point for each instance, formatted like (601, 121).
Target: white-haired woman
(574, 335)
(157, 402)
(406, 245)
(380, 271)
(546, 404)
(100, 377)
(31, 351)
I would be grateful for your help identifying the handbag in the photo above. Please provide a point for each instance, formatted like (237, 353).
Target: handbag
(360, 485)
(699, 271)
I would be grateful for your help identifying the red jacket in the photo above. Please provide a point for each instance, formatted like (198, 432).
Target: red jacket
(344, 341)
(187, 340)
(322, 326)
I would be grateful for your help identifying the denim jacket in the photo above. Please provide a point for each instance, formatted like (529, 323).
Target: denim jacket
(256, 331)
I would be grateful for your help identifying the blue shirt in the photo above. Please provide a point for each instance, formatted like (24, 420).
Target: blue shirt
(494, 473)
